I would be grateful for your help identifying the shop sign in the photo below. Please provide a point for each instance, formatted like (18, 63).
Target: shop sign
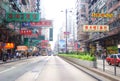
(66, 33)
(31, 36)
(118, 45)
(22, 48)
(26, 24)
(102, 15)
(9, 45)
(51, 34)
(23, 17)
(25, 32)
(44, 23)
(44, 43)
(95, 28)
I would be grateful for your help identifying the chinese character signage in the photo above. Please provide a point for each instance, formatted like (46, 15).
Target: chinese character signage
(23, 17)
(103, 15)
(25, 32)
(46, 23)
(95, 28)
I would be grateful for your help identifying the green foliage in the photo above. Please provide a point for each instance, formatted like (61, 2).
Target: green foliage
(83, 56)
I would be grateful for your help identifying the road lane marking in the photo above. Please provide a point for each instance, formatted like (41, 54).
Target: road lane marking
(7, 70)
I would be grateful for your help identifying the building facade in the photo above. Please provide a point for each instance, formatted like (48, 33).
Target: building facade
(9, 31)
(82, 19)
(98, 41)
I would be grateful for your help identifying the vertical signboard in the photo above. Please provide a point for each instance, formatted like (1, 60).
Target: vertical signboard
(51, 34)
(26, 41)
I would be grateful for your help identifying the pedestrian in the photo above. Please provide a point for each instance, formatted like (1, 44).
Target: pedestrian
(4, 58)
(27, 54)
(17, 54)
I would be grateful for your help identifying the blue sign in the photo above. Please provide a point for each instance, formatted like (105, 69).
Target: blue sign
(26, 24)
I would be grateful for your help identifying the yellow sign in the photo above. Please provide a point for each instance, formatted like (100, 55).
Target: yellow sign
(103, 15)
(9, 45)
(95, 28)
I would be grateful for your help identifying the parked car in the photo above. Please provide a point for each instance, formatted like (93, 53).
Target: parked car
(113, 59)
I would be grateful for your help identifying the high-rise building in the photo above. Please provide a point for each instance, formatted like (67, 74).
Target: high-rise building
(105, 40)
(82, 19)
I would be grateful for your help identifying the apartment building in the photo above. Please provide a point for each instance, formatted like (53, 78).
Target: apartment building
(99, 41)
(82, 19)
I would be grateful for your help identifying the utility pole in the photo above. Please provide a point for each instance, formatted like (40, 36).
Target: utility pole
(66, 31)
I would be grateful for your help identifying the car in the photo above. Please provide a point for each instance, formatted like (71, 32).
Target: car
(113, 59)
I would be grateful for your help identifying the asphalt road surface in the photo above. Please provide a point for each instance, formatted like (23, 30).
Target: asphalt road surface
(43, 68)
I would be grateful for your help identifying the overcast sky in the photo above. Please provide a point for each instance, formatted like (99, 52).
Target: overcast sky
(52, 10)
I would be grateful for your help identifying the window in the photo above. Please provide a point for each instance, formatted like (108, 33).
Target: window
(82, 7)
(84, 1)
(114, 56)
(104, 9)
(111, 56)
(109, 5)
(118, 9)
(118, 56)
(114, 2)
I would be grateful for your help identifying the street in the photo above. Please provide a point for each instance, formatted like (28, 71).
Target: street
(43, 68)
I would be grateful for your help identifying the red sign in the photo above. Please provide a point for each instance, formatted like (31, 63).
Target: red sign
(44, 43)
(66, 33)
(25, 32)
(42, 23)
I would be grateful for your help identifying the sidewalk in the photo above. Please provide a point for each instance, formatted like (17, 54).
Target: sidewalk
(13, 60)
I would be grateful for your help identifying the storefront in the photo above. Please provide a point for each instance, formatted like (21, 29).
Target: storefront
(108, 40)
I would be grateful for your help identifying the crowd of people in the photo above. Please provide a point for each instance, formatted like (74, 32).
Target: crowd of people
(16, 55)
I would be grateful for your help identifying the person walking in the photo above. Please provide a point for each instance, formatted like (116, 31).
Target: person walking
(4, 54)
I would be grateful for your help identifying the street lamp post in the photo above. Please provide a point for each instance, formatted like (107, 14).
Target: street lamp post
(66, 31)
